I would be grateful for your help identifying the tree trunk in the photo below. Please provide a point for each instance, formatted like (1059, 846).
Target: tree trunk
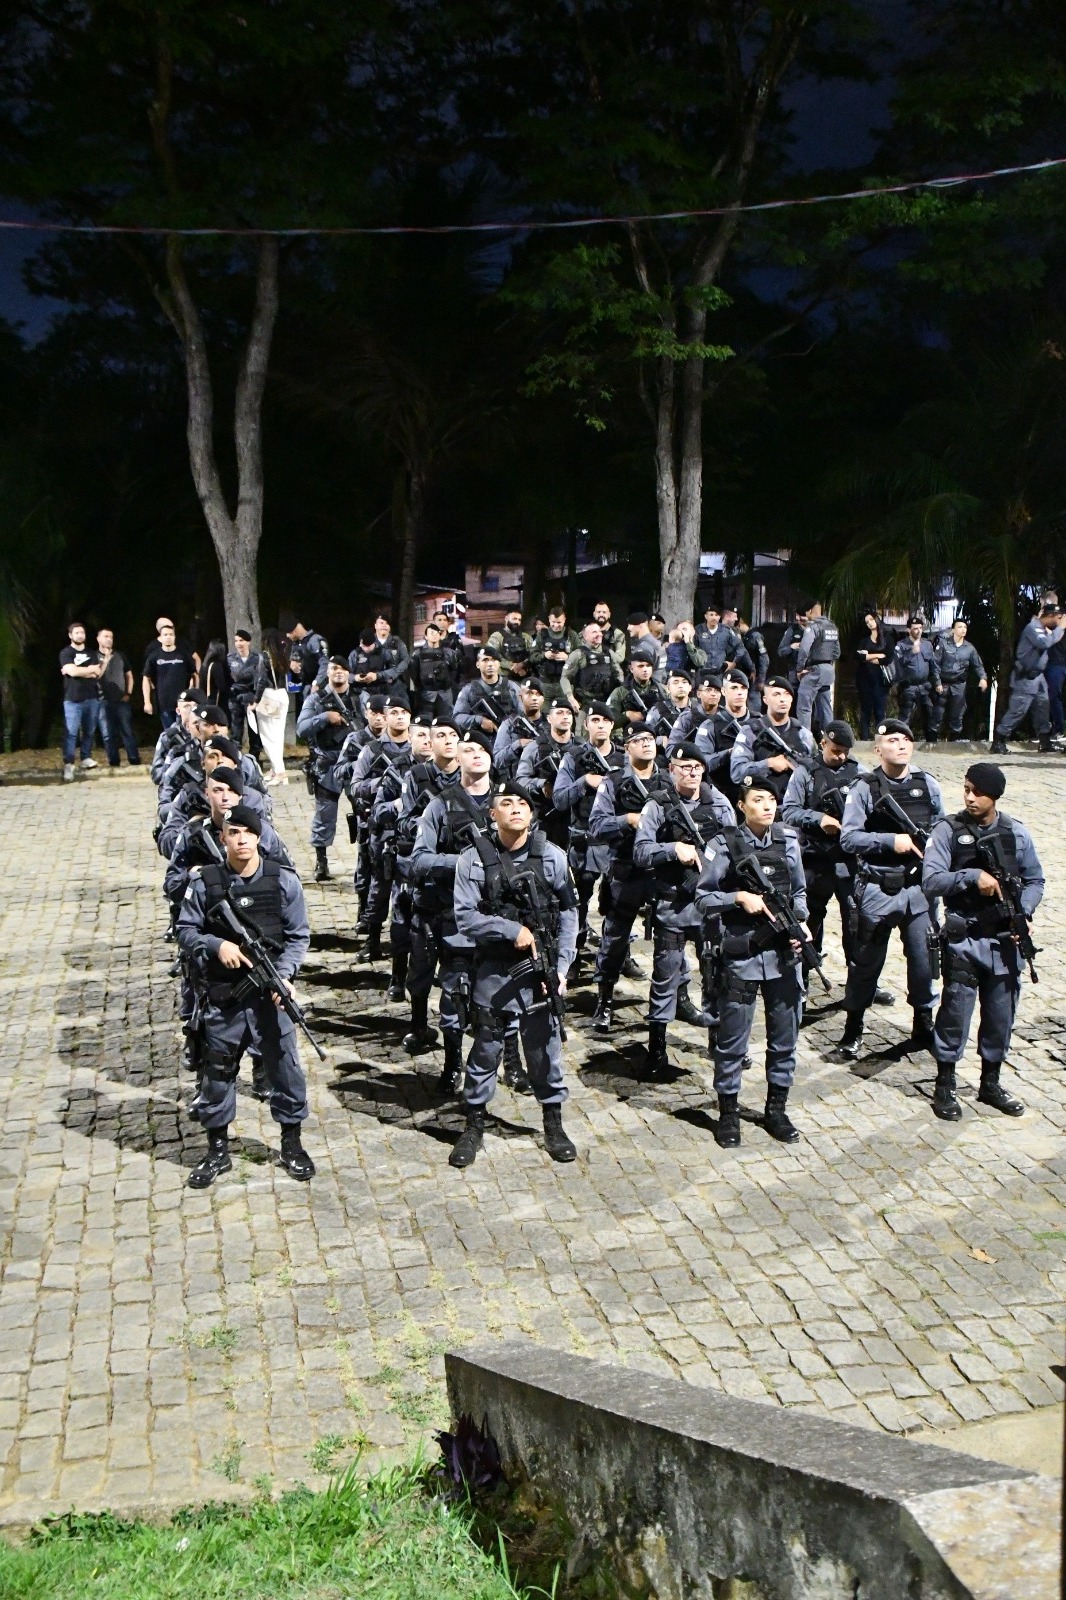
(679, 486)
(235, 537)
(404, 618)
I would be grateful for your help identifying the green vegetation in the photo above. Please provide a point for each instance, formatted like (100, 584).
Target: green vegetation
(382, 1536)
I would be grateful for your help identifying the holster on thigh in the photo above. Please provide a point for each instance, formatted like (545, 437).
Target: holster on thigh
(959, 969)
(743, 991)
(490, 1024)
(220, 1065)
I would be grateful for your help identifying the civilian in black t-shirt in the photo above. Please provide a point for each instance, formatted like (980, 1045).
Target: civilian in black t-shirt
(168, 671)
(81, 670)
(116, 688)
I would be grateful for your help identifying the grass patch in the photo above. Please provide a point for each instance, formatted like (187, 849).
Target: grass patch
(381, 1536)
(323, 1454)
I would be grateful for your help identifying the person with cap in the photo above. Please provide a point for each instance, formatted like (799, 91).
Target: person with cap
(887, 814)
(389, 751)
(179, 736)
(444, 831)
(641, 644)
(269, 898)
(487, 700)
(981, 958)
(958, 660)
(244, 664)
(816, 658)
(515, 904)
(308, 653)
(774, 745)
(1028, 685)
(574, 793)
(189, 801)
(613, 822)
(614, 640)
(538, 768)
(754, 955)
(327, 716)
(716, 736)
(637, 695)
(208, 725)
(700, 709)
(520, 728)
(378, 663)
(663, 717)
(665, 847)
(814, 805)
(434, 671)
(552, 648)
(590, 672)
(513, 646)
(389, 897)
(917, 678)
(788, 647)
(422, 782)
(720, 645)
(757, 653)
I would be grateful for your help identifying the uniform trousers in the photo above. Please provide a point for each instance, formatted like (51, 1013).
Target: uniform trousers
(324, 821)
(782, 998)
(262, 1029)
(950, 707)
(984, 970)
(627, 898)
(814, 699)
(879, 913)
(1028, 697)
(914, 697)
(495, 1021)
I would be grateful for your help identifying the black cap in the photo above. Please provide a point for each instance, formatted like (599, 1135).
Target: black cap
(637, 617)
(500, 791)
(712, 680)
(895, 725)
(840, 732)
(245, 817)
(476, 736)
(679, 672)
(396, 702)
(712, 605)
(531, 685)
(751, 782)
(376, 702)
(599, 708)
(424, 719)
(446, 722)
(195, 697)
(225, 747)
(287, 620)
(559, 702)
(232, 777)
(635, 730)
(242, 633)
(687, 752)
(987, 779)
(781, 683)
(214, 715)
(340, 661)
(1051, 611)
(734, 675)
(916, 618)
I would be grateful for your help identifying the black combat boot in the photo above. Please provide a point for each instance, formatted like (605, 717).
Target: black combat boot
(776, 1119)
(686, 1011)
(884, 997)
(215, 1162)
(558, 1146)
(659, 1064)
(361, 924)
(1045, 746)
(727, 1133)
(850, 1046)
(631, 969)
(922, 1030)
(998, 747)
(451, 1075)
(372, 949)
(601, 1017)
(397, 989)
(261, 1086)
(471, 1138)
(294, 1157)
(992, 1093)
(945, 1101)
(421, 1037)
(322, 871)
(515, 1076)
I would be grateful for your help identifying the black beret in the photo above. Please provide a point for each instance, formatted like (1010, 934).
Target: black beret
(530, 686)
(686, 752)
(225, 747)
(711, 680)
(637, 617)
(476, 736)
(637, 730)
(751, 783)
(194, 697)
(734, 675)
(340, 661)
(214, 715)
(515, 790)
(896, 725)
(395, 702)
(987, 779)
(916, 618)
(376, 702)
(599, 708)
(488, 650)
(679, 672)
(245, 817)
(781, 683)
(423, 720)
(242, 633)
(446, 722)
(712, 606)
(1050, 611)
(559, 702)
(840, 732)
(232, 777)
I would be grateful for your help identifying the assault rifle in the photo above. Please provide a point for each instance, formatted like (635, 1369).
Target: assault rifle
(781, 913)
(991, 855)
(335, 703)
(493, 715)
(522, 725)
(891, 809)
(538, 963)
(262, 977)
(799, 758)
(590, 760)
(674, 810)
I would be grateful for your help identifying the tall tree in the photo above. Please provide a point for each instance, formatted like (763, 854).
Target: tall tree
(184, 114)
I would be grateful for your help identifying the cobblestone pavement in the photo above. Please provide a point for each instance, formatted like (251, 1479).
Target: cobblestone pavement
(160, 1344)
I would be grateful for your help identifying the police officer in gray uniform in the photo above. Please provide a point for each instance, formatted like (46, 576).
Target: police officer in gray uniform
(514, 735)
(754, 957)
(917, 678)
(819, 649)
(421, 784)
(888, 886)
(814, 805)
(982, 962)
(444, 831)
(1028, 685)
(957, 659)
(758, 751)
(495, 883)
(487, 700)
(269, 897)
(574, 795)
(326, 717)
(664, 846)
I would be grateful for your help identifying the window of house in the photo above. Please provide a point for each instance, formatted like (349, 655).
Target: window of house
(490, 584)
(420, 612)
(476, 630)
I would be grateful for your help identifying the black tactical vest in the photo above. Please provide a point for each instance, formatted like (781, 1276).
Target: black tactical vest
(426, 780)
(827, 781)
(257, 902)
(765, 748)
(497, 698)
(595, 677)
(434, 669)
(626, 798)
(986, 911)
(675, 882)
(329, 738)
(773, 864)
(514, 645)
(582, 810)
(501, 898)
(911, 795)
(826, 646)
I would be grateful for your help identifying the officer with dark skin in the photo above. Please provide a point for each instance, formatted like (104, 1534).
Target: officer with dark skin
(756, 958)
(421, 784)
(507, 1000)
(269, 896)
(514, 735)
(982, 962)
